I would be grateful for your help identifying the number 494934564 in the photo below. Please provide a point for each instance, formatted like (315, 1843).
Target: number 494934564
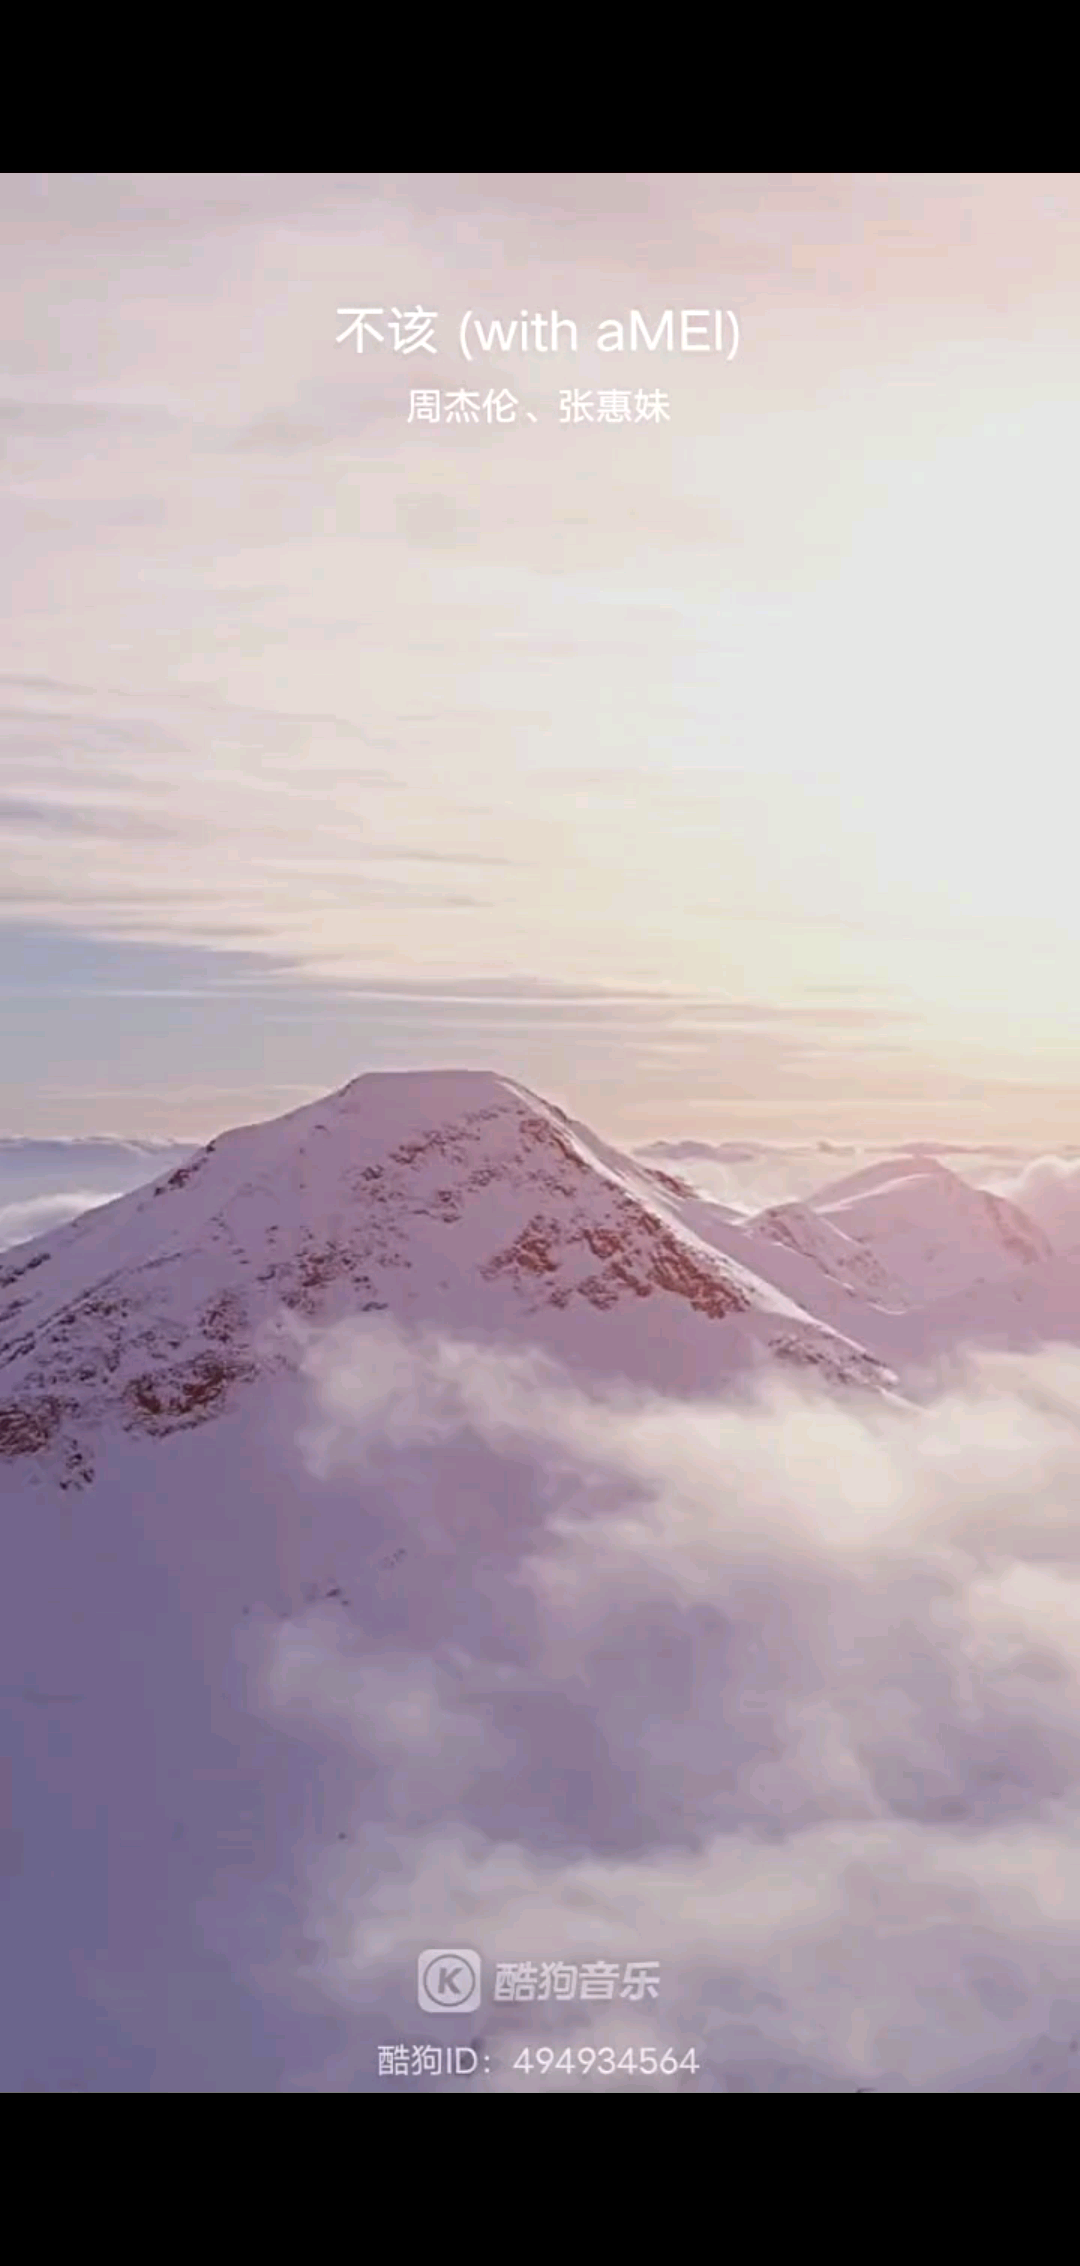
(636, 2061)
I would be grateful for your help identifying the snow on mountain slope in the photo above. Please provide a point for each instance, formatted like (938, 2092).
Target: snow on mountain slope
(840, 1256)
(773, 1258)
(1035, 1306)
(878, 1246)
(734, 1213)
(930, 1231)
(451, 1199)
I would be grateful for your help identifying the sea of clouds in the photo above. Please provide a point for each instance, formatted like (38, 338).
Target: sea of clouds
(783, 1695)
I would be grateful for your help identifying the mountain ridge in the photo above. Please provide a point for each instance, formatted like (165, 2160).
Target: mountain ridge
(452, 1199)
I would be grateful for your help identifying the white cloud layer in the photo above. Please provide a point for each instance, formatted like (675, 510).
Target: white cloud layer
(1048, 1188)
(46, 1183)
(785, 1695)
(19, 1222)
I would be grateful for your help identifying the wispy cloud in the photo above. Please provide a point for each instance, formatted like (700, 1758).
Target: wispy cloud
(625, 705)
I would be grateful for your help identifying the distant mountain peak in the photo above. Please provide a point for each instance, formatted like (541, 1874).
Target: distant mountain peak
(929, 1228)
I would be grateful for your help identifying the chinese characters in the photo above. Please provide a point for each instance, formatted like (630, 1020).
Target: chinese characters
(523, 1981)
(432, 405)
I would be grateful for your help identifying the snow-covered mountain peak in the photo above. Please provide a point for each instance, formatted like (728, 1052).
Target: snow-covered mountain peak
(932, 1232)
(452, 1199)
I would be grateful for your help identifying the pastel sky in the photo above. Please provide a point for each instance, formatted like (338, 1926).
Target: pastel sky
(709, 775)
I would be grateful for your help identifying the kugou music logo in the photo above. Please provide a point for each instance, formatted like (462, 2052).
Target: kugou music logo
(448, 1982)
